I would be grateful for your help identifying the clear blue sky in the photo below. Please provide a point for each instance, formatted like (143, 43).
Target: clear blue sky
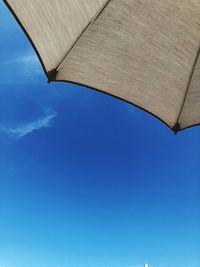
(87, 180)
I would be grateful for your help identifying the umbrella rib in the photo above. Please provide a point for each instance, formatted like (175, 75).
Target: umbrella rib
(52, 73)
(177, 126)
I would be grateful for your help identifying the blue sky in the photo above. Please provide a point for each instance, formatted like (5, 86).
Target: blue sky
(87, 180)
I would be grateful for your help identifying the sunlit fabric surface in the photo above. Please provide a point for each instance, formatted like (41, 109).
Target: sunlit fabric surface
(145, 52)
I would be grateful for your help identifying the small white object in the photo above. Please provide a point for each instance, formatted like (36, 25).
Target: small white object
(146, 265)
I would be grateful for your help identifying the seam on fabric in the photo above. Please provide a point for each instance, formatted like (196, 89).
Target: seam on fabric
(177, 125)
(82, 34)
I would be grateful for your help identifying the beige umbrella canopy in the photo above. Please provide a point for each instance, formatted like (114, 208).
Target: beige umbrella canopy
(144, 52)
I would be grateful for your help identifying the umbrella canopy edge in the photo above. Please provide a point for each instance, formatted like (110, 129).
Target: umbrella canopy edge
(51, 76)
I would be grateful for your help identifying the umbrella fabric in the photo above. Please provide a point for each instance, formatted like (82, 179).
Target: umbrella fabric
(144, 52)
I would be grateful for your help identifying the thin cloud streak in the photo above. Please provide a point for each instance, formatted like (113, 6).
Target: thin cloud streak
(43, 122)
(29, 60)
(20, 67)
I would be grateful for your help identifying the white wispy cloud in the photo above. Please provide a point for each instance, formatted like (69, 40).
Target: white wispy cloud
(28, 63)
(20, 67)
(29, 60)
(15, 133)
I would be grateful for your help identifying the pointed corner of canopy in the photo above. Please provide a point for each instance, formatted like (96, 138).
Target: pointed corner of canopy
(51, 75)
(176, 128)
